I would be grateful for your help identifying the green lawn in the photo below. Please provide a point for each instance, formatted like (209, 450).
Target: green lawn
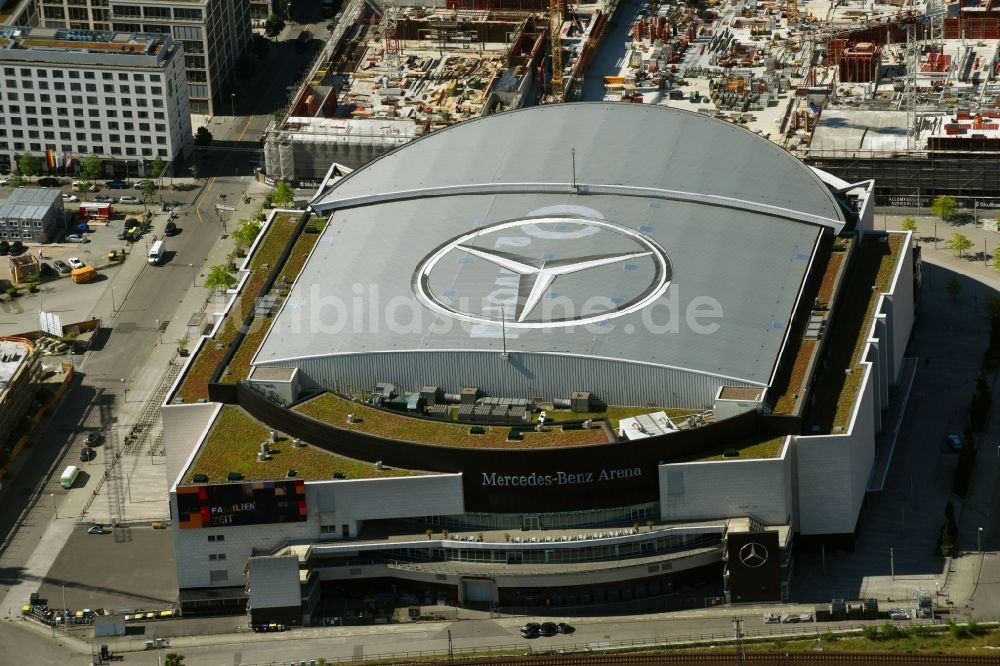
(758, 446)
(239, 367)
(838, 392)
(235, 438)
(334, 409)
(195, 384)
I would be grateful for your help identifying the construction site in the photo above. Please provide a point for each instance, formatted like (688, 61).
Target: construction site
(390, 74)
(903, 92)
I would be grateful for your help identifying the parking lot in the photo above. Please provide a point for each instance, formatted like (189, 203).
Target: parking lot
(131, 567)
(57, 293)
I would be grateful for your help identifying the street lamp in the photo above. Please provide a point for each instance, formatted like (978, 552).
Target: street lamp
(55, 504)
(232, 101)
(124, 391)
(979, 540)
(194, 276)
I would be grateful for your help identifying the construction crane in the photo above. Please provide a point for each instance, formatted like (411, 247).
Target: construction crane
(792, 11)
(390, 23)
(555, 27)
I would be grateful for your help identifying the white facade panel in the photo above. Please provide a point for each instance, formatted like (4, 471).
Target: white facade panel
(725, 488)
(183, 429)
(274, 582)
(834, 471)
(901, 304)
(349, 502)
(330, 504)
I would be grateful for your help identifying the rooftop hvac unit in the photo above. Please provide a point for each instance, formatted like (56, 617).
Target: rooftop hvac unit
(580, 401)
(469, 395)
(430, 394)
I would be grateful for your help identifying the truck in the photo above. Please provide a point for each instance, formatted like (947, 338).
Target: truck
(84, 274)
(156, 253)
(95, 211)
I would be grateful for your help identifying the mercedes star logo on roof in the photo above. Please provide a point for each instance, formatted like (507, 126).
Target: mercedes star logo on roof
(549, 255)
(753, 555)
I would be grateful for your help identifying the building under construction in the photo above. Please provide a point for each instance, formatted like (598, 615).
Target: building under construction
(386, 79)
(914, 106)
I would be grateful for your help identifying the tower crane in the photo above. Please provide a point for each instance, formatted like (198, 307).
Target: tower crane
(555, 27)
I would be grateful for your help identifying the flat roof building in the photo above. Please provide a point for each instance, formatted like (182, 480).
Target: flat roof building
(214, 34)
(69, 94)
(31, 215)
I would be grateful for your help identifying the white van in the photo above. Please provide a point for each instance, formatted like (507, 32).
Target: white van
(156, 253)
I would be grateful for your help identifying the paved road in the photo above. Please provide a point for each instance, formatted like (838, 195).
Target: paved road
(144, 295)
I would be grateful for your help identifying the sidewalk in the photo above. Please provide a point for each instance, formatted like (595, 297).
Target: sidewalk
(144, 483)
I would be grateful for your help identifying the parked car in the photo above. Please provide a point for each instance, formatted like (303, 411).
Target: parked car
(129, 199)
(76, 238)
(5, 180)
(95, 529)
(86, 454)
(531, 630)
(94, 438)
(170, 229)
(548, 629)
(565, 628)
(70, 197)
(790, 618)
(103, 198)
(45, 269)
(953, 443)
(62, 266)
(16, 248)
(898, 614)
(115, 185)
(805, 617)
(48, 182)
(771, 618)
(84, 185)
(81, 228)
(4, 248)
(74, 262)
(123, 234)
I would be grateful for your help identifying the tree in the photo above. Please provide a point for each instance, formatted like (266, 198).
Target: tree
(909, 224)
(996, 262)
(15, 179)
(245, 234)
(202, 137)
(954, 288)
(959, 243)
(91, 168)
(219, 278)
(173, 659)
(284, 195)
(944, 206)
(29, 165)
(157, 167)
(148, 188)
(274, 25)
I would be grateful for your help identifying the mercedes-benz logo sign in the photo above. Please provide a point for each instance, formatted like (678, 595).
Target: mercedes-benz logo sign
(753, 555)
(502, 272)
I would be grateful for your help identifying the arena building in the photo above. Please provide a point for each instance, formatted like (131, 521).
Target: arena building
(561, 356)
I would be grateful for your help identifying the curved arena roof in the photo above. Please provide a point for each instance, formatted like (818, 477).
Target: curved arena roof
(580, 231)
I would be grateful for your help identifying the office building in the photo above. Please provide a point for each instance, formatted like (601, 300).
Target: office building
(68, 94)
(214, 33)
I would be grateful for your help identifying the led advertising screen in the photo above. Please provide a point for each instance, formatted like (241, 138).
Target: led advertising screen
(232, 504)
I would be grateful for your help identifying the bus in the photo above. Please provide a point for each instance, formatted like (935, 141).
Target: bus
(69, 475)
